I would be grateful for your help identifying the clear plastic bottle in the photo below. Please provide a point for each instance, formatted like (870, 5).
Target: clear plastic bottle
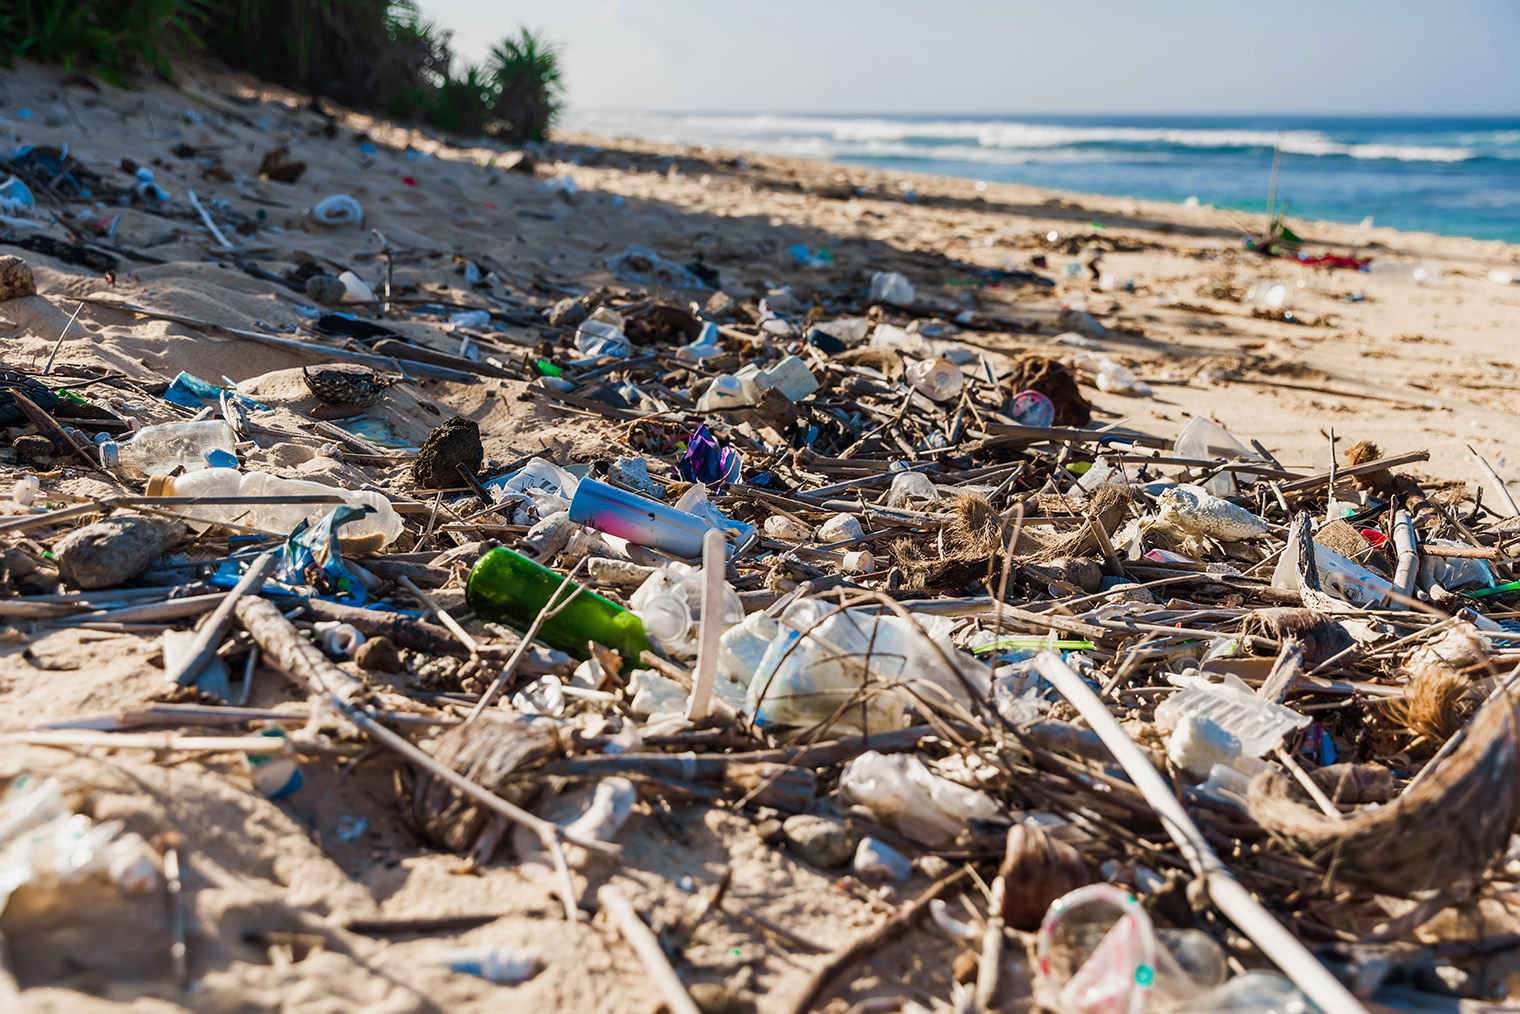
(381, 525)
(163, 448)
(936, 379)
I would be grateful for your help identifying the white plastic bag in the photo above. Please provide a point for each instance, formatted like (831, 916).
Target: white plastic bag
(902, 793)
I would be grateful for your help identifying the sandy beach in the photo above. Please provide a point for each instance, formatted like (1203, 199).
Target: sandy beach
(274, 887)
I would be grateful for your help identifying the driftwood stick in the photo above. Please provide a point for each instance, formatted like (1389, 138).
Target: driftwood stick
(647, 946)
(210, 635)
(472, 645)
(1284, 949)
(54, 432)
(285, 646)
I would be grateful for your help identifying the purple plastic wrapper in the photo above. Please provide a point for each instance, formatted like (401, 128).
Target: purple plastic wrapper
(708, 463)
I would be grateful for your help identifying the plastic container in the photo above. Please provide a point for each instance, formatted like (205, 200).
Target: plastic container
(1032, 408)
(380, 525)
(163, 448)
(512, 589)
(25, 490)
(1338, 576)
(640, 520)
(727, 391)
(891, 287)
(1257, 724)
(791, 377)
(914, 485)
(936, 379)
(1113, 377)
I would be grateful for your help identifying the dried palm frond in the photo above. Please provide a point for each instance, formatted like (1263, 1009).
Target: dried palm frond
(1442, 834)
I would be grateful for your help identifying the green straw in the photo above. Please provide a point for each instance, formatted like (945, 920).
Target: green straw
(549, 369)
(1036, 642)
(1496, 590)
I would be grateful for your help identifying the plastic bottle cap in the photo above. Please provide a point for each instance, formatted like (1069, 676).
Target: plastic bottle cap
(160, 485)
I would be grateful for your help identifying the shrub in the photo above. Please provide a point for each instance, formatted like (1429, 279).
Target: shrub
(110, 38)
(527, 74)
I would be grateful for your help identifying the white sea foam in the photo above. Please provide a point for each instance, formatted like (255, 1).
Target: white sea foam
(827, 137)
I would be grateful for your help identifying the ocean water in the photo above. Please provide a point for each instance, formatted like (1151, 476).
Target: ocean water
(1452, 175)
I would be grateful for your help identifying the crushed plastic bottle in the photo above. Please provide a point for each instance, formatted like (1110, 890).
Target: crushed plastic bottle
(168, 446)
(822, 658)
(891, 287)
(936, 379)
(598, 339)
(1111, 376)
(380, 524)
(504, 966)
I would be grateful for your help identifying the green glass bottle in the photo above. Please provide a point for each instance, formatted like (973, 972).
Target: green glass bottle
(510, 588)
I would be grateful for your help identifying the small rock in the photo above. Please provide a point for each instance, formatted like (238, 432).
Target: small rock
(325, 289)
(840, 528)
(1081, 571)
(379, 655)
(568, 312)
(33, 446)
(715, 998)
(876, 860)
(456, 442)
(932, 866)
(770, 831)
(820, 841)
(109, 552)
(16, 279)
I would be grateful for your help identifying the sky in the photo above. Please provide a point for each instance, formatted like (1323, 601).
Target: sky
(1404, 57)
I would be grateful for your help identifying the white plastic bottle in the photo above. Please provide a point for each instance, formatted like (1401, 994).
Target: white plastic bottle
(163, 448)
(380, 526)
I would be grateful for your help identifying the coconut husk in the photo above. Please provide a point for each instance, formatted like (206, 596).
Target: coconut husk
(970, 547)
(1441, 835)
(493, 751)
(1108, 504)
(1359, 454)
(1435, 704)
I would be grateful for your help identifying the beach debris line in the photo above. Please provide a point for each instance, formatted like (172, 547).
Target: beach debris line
(1135, 720)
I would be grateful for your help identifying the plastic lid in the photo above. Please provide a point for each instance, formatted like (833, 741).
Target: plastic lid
(160, 485)
(110, 453)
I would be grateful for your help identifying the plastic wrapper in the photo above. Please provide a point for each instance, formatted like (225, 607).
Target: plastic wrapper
(902, 793)
(822, 659)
